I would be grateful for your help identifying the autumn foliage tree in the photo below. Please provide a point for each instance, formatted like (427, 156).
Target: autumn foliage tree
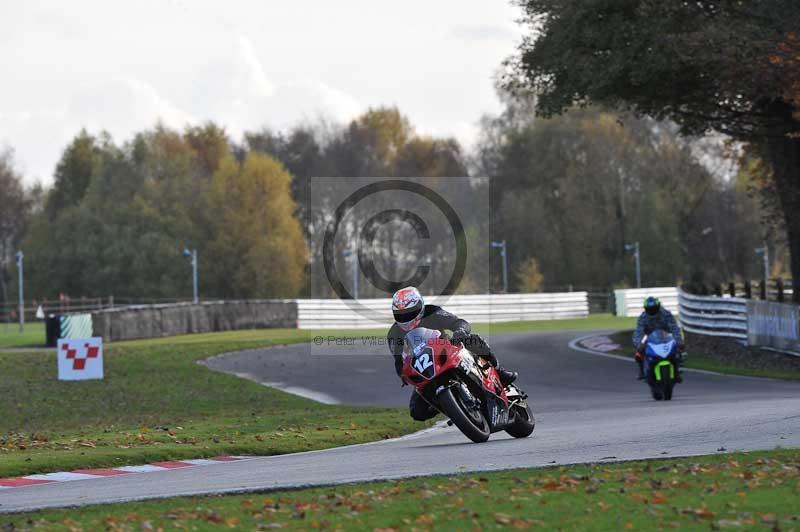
(257, 248)
(118, 217)
(727, 65)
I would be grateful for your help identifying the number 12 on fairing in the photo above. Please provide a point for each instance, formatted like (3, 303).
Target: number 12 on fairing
(423, 362)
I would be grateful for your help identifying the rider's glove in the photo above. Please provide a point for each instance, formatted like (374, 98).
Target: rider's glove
(460, 337)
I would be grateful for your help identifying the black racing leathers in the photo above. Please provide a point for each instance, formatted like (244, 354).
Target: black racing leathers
(433, 317)
(438, 319)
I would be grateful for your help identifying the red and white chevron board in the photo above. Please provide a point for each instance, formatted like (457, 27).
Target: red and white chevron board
(85, 474)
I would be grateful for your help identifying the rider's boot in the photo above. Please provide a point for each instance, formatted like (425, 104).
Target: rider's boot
(506, 376)
(640, 375)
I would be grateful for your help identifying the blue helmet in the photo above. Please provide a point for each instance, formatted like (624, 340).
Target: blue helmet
(652, 305)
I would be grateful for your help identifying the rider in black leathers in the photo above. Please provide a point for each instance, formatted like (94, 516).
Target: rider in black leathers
(434, 317)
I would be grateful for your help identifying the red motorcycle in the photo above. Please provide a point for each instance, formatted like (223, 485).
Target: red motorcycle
(464, 387)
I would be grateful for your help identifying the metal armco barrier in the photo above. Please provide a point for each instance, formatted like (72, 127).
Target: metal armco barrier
(629, 301)
(714, 316)
(495, 308)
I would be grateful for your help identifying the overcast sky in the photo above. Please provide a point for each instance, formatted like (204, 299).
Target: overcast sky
(121, 66)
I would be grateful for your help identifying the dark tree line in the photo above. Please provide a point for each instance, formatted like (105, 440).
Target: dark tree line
(567, 193)
(728, 65)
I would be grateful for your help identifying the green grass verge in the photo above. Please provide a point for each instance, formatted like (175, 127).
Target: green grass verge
(701, 361)
(157, 403)
(743, 490)
(32, 336)
(732, 365)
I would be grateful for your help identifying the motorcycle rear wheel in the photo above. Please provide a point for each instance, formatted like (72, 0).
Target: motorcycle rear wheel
(455, 410)
(524, 422)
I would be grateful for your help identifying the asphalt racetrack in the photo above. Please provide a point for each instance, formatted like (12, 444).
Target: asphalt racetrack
(588, 408)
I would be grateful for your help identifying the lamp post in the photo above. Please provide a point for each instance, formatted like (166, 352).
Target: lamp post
(193, 256)
(764, 251)
(502, 246)
(635, 248)
(20, 267)
(349, 253)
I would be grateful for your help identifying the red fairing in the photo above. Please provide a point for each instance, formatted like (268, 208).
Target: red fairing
(447, 357)
(491, 382)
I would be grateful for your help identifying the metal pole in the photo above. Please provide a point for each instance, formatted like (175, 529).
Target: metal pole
(505, 268)
(20, 268)
(193, 256)
(194, 277)
(765, 284)
(502, 246)
(355, 276)
(352, 255)
(635, 248)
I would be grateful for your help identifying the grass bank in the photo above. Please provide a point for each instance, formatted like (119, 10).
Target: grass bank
(32, 336)
(157, 403)
(728, 491)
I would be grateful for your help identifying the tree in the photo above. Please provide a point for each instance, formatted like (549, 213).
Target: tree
(379, 143)
(529, 278)
(257, 248)
(210, 143)
(729, 66)
(119, 216)
(15, 206)
(73, 173)
(572, 190)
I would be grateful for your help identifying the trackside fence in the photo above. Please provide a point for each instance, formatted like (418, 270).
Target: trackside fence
(714, 316)
(153, 321)
(494, 308)
(629, 301)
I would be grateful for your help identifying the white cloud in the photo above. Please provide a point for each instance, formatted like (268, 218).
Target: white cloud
(122, 106)
(249, 100)
(122, 66)
(486, 32)
(246, 100)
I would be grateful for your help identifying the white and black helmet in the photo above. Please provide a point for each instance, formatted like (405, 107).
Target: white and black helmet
(407, 307)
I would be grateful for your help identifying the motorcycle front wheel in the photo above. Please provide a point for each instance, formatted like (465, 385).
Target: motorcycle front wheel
(524, 422)
(470, 422)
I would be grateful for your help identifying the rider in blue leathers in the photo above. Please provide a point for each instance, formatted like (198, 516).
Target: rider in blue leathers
(653, 318)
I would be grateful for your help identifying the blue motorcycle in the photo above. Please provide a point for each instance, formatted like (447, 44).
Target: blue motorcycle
(660, 353)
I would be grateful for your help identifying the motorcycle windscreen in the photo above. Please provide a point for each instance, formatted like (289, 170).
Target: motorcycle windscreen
(418, 346)
(660, 344)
